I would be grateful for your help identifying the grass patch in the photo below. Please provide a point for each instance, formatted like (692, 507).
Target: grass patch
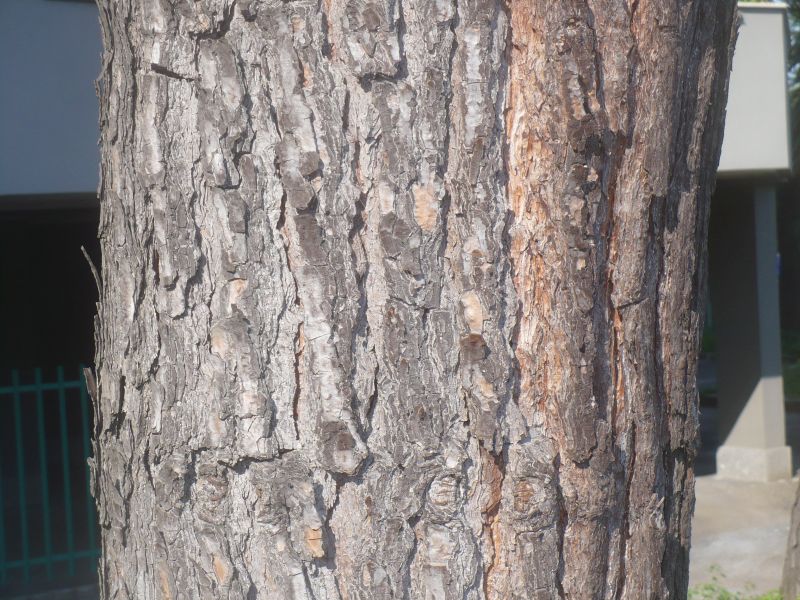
(716, 590)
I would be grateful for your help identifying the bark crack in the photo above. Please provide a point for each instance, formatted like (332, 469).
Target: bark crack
(491, 516)
(624, 526)
(562, 520)
(161, 70)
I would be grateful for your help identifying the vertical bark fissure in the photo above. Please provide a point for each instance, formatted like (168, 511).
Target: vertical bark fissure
(621, 578)
(562, 521)
(790, 584)
(491, 519)
(299, 346)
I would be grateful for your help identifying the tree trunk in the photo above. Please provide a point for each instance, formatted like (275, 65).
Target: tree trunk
(790, 588)
(402, 299)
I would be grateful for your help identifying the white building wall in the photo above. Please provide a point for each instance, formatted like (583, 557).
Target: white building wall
(49, 59)
(757, 123)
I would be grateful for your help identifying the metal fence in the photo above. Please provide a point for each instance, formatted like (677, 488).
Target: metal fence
(48, 531)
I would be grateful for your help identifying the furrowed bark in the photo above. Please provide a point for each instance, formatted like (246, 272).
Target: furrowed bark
(614, 128)
(790, 586)
(402, 299)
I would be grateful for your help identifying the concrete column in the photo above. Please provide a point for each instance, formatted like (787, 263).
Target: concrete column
(744, 292)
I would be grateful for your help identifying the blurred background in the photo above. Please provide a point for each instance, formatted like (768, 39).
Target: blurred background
(750, 367)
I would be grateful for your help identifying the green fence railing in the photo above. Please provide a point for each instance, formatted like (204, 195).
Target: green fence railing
(48, 531)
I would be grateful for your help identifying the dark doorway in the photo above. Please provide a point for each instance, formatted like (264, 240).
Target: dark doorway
(48, 532)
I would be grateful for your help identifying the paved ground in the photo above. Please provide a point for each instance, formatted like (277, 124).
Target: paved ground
(741, 528)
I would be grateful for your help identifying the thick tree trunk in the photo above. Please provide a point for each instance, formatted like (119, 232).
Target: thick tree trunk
(401, 299)
(791, 565)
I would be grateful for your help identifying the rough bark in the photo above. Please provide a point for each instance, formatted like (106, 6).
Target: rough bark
(402, 299)
(790, 588)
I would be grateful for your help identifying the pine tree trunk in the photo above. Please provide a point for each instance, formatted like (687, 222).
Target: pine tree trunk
(402, 298)
(790, 588)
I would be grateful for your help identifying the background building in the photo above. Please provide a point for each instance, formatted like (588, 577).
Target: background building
(49, 59)
(744, 261)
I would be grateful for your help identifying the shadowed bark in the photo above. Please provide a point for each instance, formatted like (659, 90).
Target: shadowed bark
(402, 299)
(790, 587)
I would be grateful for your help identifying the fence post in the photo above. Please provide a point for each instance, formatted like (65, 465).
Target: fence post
(30, 436)
(48, 540)
(2, 530)
(90, 511)
(23, 502)
(62, 409)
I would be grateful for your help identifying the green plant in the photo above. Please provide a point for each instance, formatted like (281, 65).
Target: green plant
(717, 591)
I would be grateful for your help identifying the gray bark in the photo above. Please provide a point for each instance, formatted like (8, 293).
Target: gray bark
(790, 587)
(402, 299)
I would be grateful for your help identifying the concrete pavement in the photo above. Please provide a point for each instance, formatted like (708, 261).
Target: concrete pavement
(740, 528)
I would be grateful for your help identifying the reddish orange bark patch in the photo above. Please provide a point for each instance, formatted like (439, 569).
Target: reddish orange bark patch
(492, 477)
(314, 542)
